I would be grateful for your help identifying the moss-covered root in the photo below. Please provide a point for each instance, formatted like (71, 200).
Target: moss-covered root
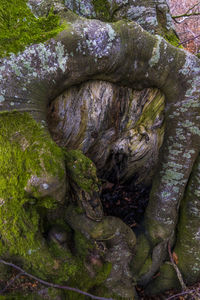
(32, 186)
(117, 241)
(188, 240)
(147, 261)
(32, 181)
(166, 280)
(187, 247)
(142, 261)
(85, 187)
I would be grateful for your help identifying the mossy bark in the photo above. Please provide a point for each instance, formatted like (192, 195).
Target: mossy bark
(123, 53)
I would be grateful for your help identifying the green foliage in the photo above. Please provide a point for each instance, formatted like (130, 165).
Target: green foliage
(20, 28)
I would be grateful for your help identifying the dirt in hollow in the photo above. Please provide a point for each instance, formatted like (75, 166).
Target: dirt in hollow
(125, 202)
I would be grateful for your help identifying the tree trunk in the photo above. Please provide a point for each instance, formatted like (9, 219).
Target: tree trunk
(102, 84)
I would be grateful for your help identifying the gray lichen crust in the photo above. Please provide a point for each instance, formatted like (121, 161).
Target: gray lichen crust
(122, 53)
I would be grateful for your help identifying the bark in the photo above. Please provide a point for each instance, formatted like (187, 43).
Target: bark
(128, 122)
(123, 53)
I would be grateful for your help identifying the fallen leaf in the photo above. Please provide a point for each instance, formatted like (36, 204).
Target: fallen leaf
(175, 257)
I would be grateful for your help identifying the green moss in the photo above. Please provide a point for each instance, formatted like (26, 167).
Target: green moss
(27, 150)
(166, 280)
(141, 255)
(146, 267)
(20, 28)
(102, 9)
(82, 245)
(87, 276)
(154, 106)
(81, 170)
(24, 148)
(86, 283)
(172, 38)
(188, 232)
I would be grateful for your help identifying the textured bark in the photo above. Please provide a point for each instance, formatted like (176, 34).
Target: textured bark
(122, 53)
(128, 122)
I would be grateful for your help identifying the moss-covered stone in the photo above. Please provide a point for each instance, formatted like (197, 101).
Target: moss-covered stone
(20, 28)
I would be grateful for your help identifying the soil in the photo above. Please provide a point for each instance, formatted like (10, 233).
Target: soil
(125, 202)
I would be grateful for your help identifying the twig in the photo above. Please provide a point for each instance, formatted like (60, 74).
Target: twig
(193, 6)
(186, 13)
(53, 284)
(178, 273)
(11, 282)
(181, 294)
(191, 39)
(185, 291)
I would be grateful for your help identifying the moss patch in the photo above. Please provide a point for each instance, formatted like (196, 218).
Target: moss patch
(154, 106)
(166, 280)
(26, 150)
(20, 28)
(102, 9)
(81, 170)
(139, 261)
(173, 39)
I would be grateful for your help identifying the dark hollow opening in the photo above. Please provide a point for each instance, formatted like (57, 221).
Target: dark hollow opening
(127, 202)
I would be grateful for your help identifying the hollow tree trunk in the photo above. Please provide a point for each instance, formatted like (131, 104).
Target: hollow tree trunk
(124, 54)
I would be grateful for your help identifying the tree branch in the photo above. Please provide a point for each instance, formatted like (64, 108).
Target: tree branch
(52, 284)
(181, 294)
(186, 14)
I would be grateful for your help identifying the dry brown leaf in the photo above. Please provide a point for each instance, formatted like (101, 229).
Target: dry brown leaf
(175, 258)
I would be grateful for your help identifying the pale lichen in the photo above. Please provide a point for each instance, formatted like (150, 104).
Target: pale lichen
(155, 57)
(100, 38)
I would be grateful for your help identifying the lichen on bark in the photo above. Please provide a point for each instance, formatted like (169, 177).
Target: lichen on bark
(122, 53)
